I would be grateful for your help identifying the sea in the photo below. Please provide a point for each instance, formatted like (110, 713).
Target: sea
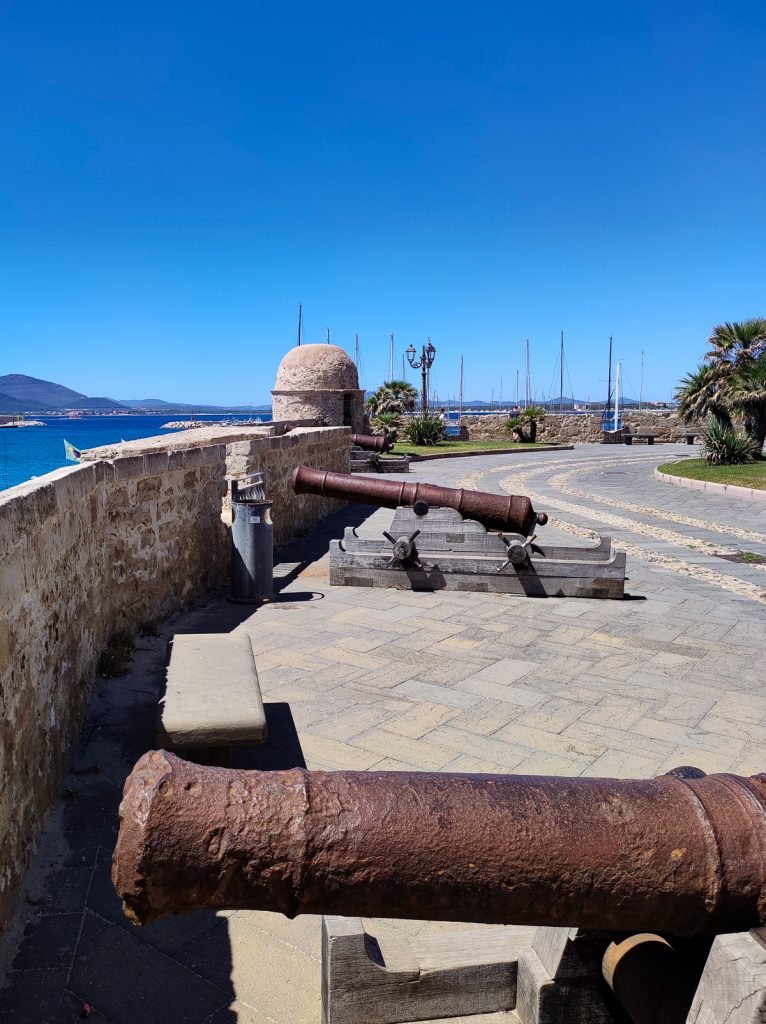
(29, 452)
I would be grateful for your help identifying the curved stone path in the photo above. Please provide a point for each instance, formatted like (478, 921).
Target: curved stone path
(650, 532)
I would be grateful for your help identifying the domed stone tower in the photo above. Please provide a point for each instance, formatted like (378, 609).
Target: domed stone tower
(319, 382)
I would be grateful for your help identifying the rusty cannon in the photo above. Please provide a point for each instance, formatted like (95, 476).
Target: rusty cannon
(677, 854)
(494, 511)
(372, 442)
(444, 538)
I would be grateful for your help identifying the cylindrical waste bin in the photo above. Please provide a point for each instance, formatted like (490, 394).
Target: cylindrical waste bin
(252, 541)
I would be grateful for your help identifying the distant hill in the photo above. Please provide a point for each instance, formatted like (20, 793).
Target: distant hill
(35, 394)
(162, 406)
(97, 403)
(10, 404)
(147, 403)
(20, 393)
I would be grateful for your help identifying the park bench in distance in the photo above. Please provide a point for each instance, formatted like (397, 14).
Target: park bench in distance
(630, 438)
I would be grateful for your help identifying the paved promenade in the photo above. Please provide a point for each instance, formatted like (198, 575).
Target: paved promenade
(392, 680)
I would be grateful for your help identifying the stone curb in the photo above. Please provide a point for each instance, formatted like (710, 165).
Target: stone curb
(493, 451)
(732, 490)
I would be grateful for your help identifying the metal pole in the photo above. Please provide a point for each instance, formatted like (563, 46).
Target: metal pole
(609, 384)
(561, 375)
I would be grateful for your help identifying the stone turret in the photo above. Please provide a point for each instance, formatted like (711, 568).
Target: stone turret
(319, 382)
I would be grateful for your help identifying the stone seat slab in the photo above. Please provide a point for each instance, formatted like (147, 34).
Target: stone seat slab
(212, 698)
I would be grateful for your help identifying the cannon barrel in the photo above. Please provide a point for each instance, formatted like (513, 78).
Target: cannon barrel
(512, 513)
(372, 442)
(673, 855)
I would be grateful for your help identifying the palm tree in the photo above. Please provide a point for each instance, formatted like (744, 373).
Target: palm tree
(736, 344)
(747, 396)
(699, 395)
(731, 380)
(397, 396)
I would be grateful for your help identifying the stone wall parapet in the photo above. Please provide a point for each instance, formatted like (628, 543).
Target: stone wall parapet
(104, 546)
(583, 428)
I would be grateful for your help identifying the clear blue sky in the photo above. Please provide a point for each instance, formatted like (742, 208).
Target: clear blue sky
(176, 177)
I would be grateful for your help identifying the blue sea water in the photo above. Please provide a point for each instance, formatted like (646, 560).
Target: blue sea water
(27, 452)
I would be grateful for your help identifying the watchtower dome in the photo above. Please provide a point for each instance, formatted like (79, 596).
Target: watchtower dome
(319, 382)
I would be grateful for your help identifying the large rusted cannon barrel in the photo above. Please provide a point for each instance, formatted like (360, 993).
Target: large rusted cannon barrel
(372, 442)
(683, 856)
(513, 513)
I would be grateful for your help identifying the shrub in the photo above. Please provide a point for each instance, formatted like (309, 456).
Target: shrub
(722, 447)
(514, 426)
(425, 430)
(387, 423)
(524, 426)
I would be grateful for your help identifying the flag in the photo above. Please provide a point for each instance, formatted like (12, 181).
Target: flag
(72, 454)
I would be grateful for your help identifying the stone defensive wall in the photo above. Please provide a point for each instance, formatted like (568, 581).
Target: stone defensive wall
(102, 547)
(585, 428)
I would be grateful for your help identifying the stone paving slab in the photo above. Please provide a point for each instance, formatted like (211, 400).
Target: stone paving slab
(401, 681)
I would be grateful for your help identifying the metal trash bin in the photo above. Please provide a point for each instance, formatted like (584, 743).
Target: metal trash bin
(252, 541)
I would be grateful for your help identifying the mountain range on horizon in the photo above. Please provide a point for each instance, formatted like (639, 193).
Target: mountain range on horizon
(21, 393)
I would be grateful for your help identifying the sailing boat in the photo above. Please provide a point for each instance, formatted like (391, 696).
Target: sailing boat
(611, 424)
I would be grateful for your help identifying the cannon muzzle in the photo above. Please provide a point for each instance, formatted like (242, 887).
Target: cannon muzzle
(512, 513)
(682, 856)
(372, 442)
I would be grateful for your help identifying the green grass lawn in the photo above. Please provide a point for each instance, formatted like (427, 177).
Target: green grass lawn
(405, 448)
(753, 475)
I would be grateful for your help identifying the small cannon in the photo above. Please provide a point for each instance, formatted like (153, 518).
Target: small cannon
(493, 511)
(680, 855)
(372, 442)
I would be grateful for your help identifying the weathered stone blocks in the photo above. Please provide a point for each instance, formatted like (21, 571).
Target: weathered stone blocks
(92, 549)
(585, 428)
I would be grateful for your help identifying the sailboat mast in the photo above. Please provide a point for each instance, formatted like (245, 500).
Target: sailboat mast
(561, 375)
(391, 359)
(300, 322)
(617, 398)
(460, 410)
(328, 335)
(641, 390)
(609, 384)
(527, 395)
(356, 351)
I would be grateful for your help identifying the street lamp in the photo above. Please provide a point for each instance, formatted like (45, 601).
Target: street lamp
(426, 361)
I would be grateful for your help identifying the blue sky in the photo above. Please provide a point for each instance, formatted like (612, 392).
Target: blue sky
(177, 177)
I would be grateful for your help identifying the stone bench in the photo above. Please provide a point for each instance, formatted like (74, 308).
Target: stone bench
(630, 438)
(690, 438)
(212, 701)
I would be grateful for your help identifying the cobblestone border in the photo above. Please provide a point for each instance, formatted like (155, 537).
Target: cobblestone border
(732, 490)
(493, 451)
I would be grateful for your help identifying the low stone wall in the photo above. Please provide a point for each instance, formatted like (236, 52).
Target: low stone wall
(582, 429)
(104, 546)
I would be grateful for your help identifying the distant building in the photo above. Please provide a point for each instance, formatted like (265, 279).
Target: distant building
(319, 382)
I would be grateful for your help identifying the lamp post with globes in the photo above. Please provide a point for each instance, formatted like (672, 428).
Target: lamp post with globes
(426, 361)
